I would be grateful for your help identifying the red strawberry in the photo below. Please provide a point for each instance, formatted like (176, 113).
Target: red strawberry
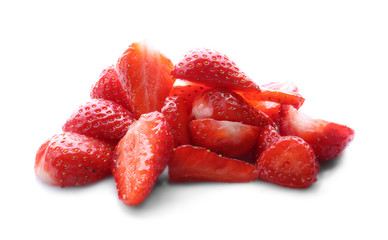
(289, 162)
(213, 69)
(267, 136)
(147, 75)
(101, 119)
(178, 119)
(141, 156)
(328, 139)
(269, 108)
(231, 139)
(110, 87)
(188, 91)
(196, 164)
(72, 159)
(223, 104)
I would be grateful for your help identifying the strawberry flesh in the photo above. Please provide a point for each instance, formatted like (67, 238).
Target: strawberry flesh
(267, 136)
(188, 91)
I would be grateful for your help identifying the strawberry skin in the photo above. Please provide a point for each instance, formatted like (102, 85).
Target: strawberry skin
(267, 136)
(110, 87)
(141, 156)
(188, 91)
(230, 139)
(196, 164)
(288, 162)
(223, 104)
(101, 119)
(213, 69)
(328, 139)
(147, 76)
(72, 159)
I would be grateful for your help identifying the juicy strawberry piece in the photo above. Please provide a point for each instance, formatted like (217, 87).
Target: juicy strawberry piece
(223, 104)
(328, 139)
(141, 156)
(178, 119)
(101, 119)
(147, 75)
(188, 91)
(289, 87)
(271, 109)
(213, 69)
(196, 164)
(267, 136)
(110, 87)
(231, 139)
(289, 162)
(72, 159)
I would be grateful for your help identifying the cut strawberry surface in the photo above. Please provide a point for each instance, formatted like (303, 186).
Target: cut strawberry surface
(177, 117)
(110, 87)
(271, 109)
(188, 92)
(100, 118)
(267, 136)
(223, 104)
(213, 69)
(328, 139)
(288, 162)
(147, 75)
(72, 159)
(197, 164)
(141, 156)
(289, 87)
(230, 139)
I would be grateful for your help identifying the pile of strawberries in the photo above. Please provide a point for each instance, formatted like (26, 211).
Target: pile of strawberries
(203, 118)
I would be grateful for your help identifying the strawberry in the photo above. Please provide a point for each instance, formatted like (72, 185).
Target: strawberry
(110, 87)
(271, 109)
(328, 139)
(213, 69)
(267, 136)
(141, 156)
(231, 139)
(288, 162)
(72, 159)
(100, 118)
(188, 91)
(196, 164)
(147, 76)
(177, 117)
(223, 104)
(289, 87)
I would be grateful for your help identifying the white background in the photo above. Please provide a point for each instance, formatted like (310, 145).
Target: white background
(335, 51)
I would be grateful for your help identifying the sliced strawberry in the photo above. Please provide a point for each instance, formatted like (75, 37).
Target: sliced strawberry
(223, 104)
(267, 136)
(196, 164)
(289, 87)
(328, 139)
(72, 159)
(101, 119)
(289, 162)
(213, 69)
(271, 109)
(110, 87)
(141, 156)
(188, 91)
(147, 75)
(230, 139)
(177, 117)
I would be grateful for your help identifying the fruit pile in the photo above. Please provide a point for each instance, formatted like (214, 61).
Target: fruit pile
(203, 118)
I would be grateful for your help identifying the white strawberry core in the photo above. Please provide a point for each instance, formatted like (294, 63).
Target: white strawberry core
(234, 130)
(42, 173)
(201, 109)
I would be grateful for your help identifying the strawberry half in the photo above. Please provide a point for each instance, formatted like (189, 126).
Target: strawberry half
(288, 162)
(328, 139)
(188, 91)
(101, 119)
(231, 139)
(213, 69)
(110, 87)
(196, 164)
(267, 136)
(141, 156)
(147, 75)
(72, 159)
(223, 104)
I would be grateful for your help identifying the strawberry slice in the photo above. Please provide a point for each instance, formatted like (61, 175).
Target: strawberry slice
(289, 87)
(177, 117)
(223, 104)
(147, 75)
(101, 119)
(328, 139)
(213, 69)
(288, 162)
(267, 136)
(110, 87)
(188, 91)
(231, 139)
(196, 164)
(271, 109)
(141, 156)
(72, 159)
